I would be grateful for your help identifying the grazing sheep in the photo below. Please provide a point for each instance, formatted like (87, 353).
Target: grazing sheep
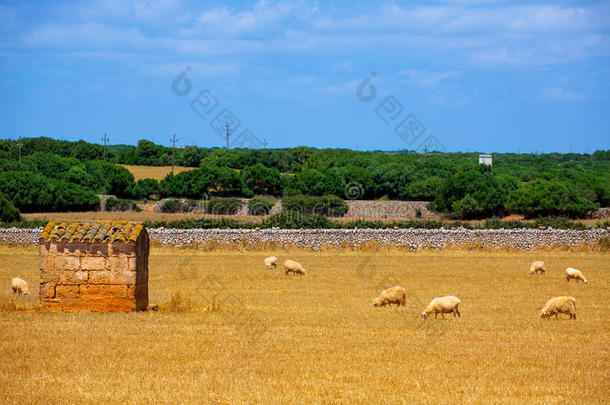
(442, 305)
(19, 286)
(292, 266)
(576, 275)
(271, 261)
(537, 266)
(395, 295)
(557, 305)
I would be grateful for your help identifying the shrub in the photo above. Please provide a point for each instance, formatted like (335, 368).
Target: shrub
(8, 212)
(201, 223)
(172, 205)
(328, 205)
(119, 204)
(294, 220)
(224, 206)
(259, 206)
(497, 223)
(558, 223)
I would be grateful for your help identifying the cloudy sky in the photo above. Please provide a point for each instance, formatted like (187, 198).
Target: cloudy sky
(454, 75)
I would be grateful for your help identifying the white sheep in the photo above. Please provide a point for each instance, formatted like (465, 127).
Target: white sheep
(19, 286)
(442, 305)
(394, 295)
(292, 266)
(537, 266)
(271, 261)
(557, 305)
(576, 275)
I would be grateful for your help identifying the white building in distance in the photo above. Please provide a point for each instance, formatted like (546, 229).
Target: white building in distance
(485, 159)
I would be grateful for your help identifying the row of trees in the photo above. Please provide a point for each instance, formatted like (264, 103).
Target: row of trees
(54, 175)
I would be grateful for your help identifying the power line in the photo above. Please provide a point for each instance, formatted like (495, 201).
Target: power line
(105, 139)
(173, 147)
(19, 144)
(228, 134)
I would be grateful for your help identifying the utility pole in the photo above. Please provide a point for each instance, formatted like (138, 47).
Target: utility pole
(265, 143)
(105, 139)
(173, 147)
(228, 134)
(19, 144)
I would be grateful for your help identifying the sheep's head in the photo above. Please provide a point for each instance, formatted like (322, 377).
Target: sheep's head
(586, 281)
(424, 316)
(24, 290)
(377, 302)
(544, 315)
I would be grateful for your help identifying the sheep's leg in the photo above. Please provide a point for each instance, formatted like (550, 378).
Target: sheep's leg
(436, 315)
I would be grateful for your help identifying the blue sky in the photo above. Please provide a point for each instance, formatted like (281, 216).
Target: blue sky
(490, 76)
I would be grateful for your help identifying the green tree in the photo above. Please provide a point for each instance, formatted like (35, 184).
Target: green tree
(117, 179)
(426, 189)
(548, 198)
(261, 179)
(471, 193)
(145, 188)
(8, 212)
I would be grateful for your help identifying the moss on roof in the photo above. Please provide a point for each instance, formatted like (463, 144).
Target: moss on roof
(92, 232)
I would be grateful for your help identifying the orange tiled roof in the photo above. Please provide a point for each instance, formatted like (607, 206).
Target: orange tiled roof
(92, 232)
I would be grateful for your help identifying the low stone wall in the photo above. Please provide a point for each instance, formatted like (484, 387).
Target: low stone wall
(602, 213)
(389, 209)
(522, 239)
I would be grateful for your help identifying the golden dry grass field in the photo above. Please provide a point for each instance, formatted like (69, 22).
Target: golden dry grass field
(256, 336)
(154, 172)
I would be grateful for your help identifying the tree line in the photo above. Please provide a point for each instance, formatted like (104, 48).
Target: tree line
(64, 175)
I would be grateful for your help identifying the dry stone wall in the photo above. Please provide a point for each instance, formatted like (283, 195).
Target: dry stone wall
(522, 239)
(390, 209)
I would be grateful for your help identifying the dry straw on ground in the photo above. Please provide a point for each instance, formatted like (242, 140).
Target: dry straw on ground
(318, 338)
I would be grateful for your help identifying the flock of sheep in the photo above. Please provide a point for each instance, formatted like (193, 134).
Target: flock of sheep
(450, 304)
(559, 305)
(398, 295)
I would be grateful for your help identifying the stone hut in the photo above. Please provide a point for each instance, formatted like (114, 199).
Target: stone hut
(94, 266)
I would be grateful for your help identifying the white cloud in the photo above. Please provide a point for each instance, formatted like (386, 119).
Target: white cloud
(470, 32)
(561, 94)
(424, 78)
(86, 33)
(132, 10)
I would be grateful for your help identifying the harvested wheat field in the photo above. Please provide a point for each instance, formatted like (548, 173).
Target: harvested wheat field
(154, 172)
(241, 334)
